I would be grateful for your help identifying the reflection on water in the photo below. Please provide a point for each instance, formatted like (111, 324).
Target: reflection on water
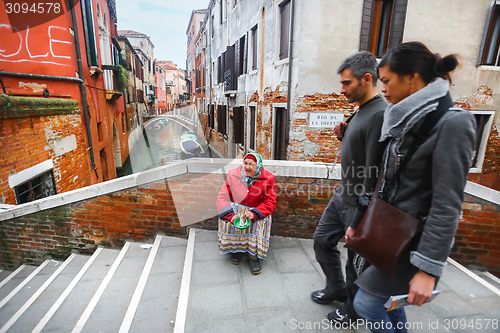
(160, 142)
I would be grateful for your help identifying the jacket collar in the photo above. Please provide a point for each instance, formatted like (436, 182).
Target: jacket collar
(401, 117)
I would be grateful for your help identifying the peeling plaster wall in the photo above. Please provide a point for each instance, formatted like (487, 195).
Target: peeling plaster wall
(265, 85)
(314, 75)
(450, 27)
(325, 33)
(475, 88)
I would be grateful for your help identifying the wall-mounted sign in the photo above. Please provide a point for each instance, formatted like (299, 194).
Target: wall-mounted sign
(328, 120)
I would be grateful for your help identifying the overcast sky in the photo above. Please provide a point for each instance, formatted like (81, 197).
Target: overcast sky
(164, 21)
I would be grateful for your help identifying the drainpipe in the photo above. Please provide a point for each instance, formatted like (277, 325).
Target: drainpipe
(290, 59)
(82, 85)
(209, 37)
(42, 77)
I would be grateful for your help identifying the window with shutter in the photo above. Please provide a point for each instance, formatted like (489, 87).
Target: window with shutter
(89, 32)
(252, 127)
(285, 29)
(242, 56)
(212, 27)
(239, 125)
(382, 25)
(229, 65)
(211, 117)
(254, 47)
(281, 121)
(221, 119)
(490, 54)
(237, 59)
(219, 69)
(221, 11)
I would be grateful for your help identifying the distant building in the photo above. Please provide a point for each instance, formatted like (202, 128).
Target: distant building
(200, 69)
(145, 49)
(161, 88)
(195, 22)
(62, 119)
(134, 93)
(176, 91)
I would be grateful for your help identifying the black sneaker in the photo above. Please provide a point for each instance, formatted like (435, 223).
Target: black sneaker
(341, 316)
(321, 297)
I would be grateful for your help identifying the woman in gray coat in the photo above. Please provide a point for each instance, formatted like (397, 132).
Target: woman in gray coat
(428, 185)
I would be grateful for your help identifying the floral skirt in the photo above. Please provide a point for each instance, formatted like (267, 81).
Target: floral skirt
(254, 239)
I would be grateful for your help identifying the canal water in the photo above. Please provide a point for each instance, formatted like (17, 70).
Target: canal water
(159, 142)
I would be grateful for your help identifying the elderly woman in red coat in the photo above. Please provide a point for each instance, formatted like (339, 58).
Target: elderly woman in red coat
(249, 192)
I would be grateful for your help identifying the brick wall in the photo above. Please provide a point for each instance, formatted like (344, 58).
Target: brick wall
(490, 173)
(316, 144)
(29, 130)
(141, 205)
(478, 235)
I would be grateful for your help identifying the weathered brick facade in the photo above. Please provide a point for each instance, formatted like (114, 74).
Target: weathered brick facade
(478, 234)
(30, 129)
(122, 212)
(322, 143)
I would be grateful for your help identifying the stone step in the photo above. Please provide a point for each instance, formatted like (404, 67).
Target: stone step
(32, 312)
(110, 291)
(22, 293)
(66, 311)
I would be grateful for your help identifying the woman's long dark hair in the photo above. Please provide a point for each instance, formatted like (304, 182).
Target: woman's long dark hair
(415, 57)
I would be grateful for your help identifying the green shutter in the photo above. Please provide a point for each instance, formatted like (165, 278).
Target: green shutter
(88, 28)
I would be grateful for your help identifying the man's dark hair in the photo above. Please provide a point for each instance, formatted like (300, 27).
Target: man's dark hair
(361, 63)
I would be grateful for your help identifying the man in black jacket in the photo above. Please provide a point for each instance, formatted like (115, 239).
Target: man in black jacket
(361, 156)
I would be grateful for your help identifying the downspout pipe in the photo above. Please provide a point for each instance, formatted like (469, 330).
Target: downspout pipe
(82, 85)
(209, 37)
(290, 62)
(42, 77)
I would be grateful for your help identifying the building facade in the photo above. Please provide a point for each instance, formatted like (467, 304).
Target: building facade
(135, 101)
(177, 90)
(144, 47)
(62, 113)
(271, 69)
(161, 88)
(200, 72)
(195, 22)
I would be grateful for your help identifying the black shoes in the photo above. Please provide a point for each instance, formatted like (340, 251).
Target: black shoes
(236, 258)
(341, 316)
(321, 297)
(254, 264)
(255, 267)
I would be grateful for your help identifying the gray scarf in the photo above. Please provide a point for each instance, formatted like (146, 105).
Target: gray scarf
(399, 118)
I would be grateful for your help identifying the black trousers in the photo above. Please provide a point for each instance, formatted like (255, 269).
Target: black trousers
(330, 229)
